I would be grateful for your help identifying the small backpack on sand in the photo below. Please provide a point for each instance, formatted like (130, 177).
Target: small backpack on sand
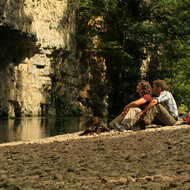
(188, 118)
(95, 125)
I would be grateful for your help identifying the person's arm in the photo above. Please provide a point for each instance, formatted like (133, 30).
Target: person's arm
(133, 104)
(152, 103)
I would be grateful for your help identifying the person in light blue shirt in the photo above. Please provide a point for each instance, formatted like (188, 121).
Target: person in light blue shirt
(162, 110)
(167, 100)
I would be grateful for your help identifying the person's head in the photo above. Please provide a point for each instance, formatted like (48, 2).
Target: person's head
(159, 86)
(144, 87)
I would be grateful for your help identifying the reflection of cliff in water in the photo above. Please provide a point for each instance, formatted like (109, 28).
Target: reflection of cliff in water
(37, 128)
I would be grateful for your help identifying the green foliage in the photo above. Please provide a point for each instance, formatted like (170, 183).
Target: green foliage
(170, 46)
(132, 31)
(183, 109)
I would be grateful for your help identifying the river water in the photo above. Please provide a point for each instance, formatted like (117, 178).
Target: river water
(30, 128)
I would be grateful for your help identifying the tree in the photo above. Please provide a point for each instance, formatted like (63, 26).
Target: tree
(134, 31)
(169, 49)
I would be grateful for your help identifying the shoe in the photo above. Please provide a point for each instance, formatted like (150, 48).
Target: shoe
(139, 125)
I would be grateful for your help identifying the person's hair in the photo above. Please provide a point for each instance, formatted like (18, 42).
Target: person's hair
(146, 87)
(160, 83)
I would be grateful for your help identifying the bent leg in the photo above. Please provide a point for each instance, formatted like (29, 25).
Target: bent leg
(131, 117)
(117, 120)
(159, 112)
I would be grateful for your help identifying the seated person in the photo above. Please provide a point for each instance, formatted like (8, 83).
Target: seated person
(131, 111)
(162, 110)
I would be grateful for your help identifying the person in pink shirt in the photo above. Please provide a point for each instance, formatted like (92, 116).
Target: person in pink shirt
(131, 111)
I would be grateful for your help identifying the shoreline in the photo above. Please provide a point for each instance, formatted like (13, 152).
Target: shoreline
(111, 134)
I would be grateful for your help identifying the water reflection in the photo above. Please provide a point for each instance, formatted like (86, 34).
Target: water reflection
(23, 129)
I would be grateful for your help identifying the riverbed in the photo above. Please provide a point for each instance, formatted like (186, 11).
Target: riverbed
(155, 158)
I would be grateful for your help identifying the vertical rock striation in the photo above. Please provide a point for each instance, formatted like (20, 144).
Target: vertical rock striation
(37, 49)
(38, 64)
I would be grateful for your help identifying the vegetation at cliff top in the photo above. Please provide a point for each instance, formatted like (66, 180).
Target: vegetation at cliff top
(132, 32)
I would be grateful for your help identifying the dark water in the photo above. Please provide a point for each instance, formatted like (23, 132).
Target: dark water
(23, 129)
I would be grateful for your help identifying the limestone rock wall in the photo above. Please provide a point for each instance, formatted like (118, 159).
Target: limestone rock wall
(37, 50)
(39, 68)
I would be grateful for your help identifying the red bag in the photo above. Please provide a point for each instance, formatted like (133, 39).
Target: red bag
(188, 118)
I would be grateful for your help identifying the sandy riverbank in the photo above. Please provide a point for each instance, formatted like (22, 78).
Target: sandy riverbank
(150, 159)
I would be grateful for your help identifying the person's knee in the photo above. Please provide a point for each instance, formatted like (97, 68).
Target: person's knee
(161, 108)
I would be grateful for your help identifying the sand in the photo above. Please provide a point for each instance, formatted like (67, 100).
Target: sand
(155, 158)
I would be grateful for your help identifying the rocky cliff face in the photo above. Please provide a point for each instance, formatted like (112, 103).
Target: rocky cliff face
(38, 57)
(37, 45)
